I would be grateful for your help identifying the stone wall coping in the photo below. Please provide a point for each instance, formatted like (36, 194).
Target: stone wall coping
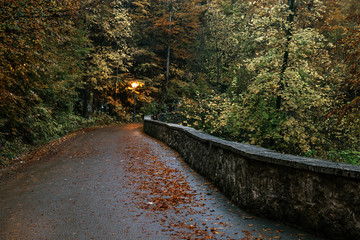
(267, 155)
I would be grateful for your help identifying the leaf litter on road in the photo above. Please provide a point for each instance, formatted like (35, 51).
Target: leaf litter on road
(165, 192)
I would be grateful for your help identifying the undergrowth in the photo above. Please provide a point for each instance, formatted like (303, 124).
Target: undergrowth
(12, 149)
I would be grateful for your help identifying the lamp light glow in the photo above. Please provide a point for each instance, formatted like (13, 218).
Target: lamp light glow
(134, 85)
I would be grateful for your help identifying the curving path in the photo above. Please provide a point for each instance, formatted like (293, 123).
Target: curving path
(118, 183)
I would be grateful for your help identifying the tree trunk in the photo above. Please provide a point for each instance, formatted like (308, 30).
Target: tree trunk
(218, 60)
(167, 73)
(168, 67)
(288, 34)
(169, 48)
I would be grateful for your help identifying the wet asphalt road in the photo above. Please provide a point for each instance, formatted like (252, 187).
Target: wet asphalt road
(118, 183)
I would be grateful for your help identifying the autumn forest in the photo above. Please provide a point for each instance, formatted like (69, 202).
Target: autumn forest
(282, 74)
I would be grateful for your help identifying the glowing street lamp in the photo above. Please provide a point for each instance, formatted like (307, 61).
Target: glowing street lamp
(134, 85)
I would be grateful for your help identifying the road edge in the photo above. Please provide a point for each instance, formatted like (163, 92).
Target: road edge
(40, 153)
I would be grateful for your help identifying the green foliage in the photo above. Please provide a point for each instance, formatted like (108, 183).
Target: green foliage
(346, 156)
(50, 51)
(274, 79)
(224, 43)
(207, 112)
(109, 61)
(119, 111)
(40, 66)
(150, 108)
(10, 150)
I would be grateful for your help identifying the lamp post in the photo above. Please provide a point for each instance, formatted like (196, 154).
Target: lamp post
(134, 86)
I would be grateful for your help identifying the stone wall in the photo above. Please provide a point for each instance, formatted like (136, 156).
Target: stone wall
(320, 196)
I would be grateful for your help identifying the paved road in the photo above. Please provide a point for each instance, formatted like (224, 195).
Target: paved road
(118, 183)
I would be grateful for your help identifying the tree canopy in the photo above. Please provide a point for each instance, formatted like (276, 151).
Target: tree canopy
(283, 74)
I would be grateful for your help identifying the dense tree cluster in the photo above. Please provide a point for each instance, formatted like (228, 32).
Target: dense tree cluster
(59, 60)
(283, 74)
(280, 74)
